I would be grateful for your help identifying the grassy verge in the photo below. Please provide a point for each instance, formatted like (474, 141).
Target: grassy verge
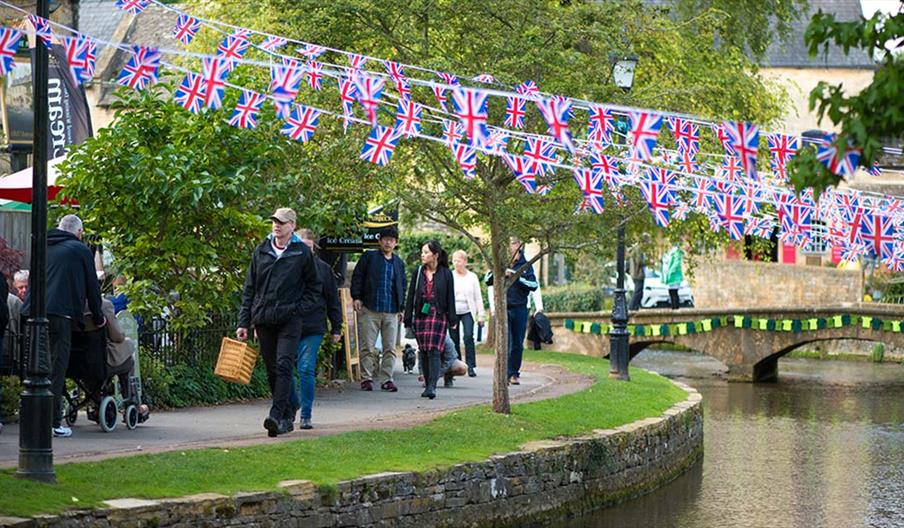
(466, 435)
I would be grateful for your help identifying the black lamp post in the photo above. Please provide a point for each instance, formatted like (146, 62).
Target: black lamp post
(623, 76)
(36, 414)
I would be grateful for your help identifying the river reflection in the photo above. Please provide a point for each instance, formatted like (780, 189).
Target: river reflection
(822, 447)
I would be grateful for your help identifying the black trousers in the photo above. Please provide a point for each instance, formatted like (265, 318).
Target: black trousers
(637, 296)
(279, 346)
(673, 298)
(60, 333)
(465, 329)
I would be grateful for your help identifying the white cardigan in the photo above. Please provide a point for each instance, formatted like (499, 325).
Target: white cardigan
(470, 287)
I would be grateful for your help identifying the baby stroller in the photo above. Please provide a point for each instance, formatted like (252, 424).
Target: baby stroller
(107, 378)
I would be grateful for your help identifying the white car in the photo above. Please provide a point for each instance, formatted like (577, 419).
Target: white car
(656, 294)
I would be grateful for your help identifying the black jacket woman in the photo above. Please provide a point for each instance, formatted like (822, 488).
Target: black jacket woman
(430, 310)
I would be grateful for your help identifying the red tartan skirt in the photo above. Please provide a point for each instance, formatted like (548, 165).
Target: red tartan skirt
(430, 329)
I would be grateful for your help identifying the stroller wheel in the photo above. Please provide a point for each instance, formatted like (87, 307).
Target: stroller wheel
(107, 414)
(71, 414)
(130, 417)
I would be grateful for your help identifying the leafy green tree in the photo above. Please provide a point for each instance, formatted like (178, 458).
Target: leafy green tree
(868, 119)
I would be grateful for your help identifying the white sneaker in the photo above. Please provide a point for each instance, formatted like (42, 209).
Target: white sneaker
(62, 432)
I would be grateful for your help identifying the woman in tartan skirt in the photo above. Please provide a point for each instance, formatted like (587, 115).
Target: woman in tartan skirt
(430, 310)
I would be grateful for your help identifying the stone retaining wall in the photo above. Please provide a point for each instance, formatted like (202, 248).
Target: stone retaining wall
(544, 480)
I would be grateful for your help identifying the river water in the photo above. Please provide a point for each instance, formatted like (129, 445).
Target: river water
(824, 446)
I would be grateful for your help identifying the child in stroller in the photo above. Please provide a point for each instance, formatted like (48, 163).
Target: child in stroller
(100, 358)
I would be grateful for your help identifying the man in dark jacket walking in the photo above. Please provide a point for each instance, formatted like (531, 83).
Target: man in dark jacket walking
(71, 282)
(281, 289)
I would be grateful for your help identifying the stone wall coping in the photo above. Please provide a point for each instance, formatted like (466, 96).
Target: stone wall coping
(558, 318)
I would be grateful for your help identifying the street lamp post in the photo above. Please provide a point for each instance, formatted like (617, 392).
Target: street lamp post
(36, 413)
(623, 67)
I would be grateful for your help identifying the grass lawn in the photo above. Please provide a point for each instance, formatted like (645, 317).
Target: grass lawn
(466, 435)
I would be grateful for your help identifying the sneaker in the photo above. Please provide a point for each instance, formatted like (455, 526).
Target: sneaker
(62, 432)
(306, 423)
(367, 385)
(514, 380)
(389, 386)
(471, 373)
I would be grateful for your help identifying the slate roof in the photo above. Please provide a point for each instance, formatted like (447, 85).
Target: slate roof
(99, 18)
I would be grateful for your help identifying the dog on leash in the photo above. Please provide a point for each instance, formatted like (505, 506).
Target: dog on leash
(409, 359)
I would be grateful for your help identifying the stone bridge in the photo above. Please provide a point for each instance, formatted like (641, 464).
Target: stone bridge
(748, 341)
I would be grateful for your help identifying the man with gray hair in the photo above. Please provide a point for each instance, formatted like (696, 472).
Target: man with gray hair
(71, 282)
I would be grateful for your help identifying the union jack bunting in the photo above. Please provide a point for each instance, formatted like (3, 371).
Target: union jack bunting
(485, 78)
(466, 158)
(214, 72)
(514, 112)
(666, 179)
(722, 135)
(895, 261)
(284, 81)
(715, 221)
(245, 113)
(545, 189)
(76, 55)
(440, 91)
(190, 92)
(452, 132)
(273, 43)
(347, 98)
(519, 166)
(42, 29)
(368, 91)
(759, 227)
(186, 27)
(9, 43)
(731, 211)
(633, 163)
(730, 172)
(90, 58)
(498, 142)
(750, 196)
(796, 223)
(301, 123)
(379, 145)
(702, 194)
(680, 210)
(528, 181)
(540, 154)
(311, 51)
(408, 118)
(356, 61)
(644, 133)
(233, 48)
(591, 185)
(606, 167)
(448, 78)
(658, 199)
(556, 111)
(875, 170)
(841, 163)
(878, 232)
(141, 70)
(528, 88)
(471, 107)
(782, 147)
(745, 140)
(602, 124)
(133, 7)
(851, 252)
(397, 74)
(687, 162)
(686, 134)
(314, 71)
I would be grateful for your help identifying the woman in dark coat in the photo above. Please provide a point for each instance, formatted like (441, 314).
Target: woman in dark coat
(430, 310)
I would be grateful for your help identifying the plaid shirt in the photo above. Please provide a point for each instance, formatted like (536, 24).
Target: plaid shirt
(385, 299)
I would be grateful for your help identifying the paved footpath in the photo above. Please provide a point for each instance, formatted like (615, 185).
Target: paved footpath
(335, 411)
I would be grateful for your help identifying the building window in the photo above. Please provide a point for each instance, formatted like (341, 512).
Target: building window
(818, 244)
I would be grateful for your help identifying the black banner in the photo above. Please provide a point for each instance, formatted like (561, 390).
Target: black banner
(377, 219)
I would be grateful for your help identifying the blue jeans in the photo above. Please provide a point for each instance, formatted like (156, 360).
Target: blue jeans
(308, 350)
(517, 327)
(465, 328)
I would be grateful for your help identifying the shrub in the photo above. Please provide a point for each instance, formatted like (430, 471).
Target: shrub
(189, 385)
(878, 353)
(10, 388)
(575, 298)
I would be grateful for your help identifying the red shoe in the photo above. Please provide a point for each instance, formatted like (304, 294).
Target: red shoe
(367, 385)
(389, 386)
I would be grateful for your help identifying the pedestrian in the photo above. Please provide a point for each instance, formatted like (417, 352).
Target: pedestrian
(430, 310)
(313, 329)
(468, 308)
(20, 284)
(672, 273)
(281, 289)
(13, 328)
(516, 306)
(378, 295)
(71, 282)
(636, 263)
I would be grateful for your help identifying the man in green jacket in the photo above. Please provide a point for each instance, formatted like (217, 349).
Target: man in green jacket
(672, 273)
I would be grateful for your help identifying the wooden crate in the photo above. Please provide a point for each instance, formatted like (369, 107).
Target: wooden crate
(236, 361)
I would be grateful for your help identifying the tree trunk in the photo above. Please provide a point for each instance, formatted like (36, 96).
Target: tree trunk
(499, 245)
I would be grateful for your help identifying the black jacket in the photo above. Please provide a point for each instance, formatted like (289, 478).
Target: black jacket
(518, 292)
(443, 295)
(315, 322)
(71, 279)
(367, 275)
(4, 308)
(278, 288)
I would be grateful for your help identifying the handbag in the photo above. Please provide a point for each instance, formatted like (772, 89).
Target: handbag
(409, 330)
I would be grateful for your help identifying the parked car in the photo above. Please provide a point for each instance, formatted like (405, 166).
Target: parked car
(656, 294)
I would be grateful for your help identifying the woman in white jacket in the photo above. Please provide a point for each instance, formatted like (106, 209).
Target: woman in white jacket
(468, 307)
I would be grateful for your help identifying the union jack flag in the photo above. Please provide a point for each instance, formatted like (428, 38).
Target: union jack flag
(368, 91)
(397, 74)
(452, 132)
(702, 194)
(9, 43)
(731, 211)
(186, 27)
(233, 47)
(284, 81)
(347, 97)
(745, 140)
(875, 170)
(783, 147)
(190, 92)
(851, 252)
(77, 56)
(498, 142)
(759, 227)
(132, 6)
(540, 153)
(519, 166)
(877, 230)
(715, 222)
(680, 210)
(895, 262)
(485, 78)
(141, 70)
(719, 129)
(311, 51)
(440, 91)
(729, 172)
(408, 118)
(380, 145)
(214, 73)
(314, 71)
(545, 189)
(591, 186)
(750, 196)
(301, 123)
(602, 124)
(666, 179)
(273, 43)
(42, 29)
(471, 107)
(658, 199)
(686, 134)
(466, 158)
(687, 161)
(606, 167)
(514, 112)
(356, 61)
(644, 133)
(843, 164)
(448, 78)
(528, 88)
(556, 111)
(796, 221)
(245, 113)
